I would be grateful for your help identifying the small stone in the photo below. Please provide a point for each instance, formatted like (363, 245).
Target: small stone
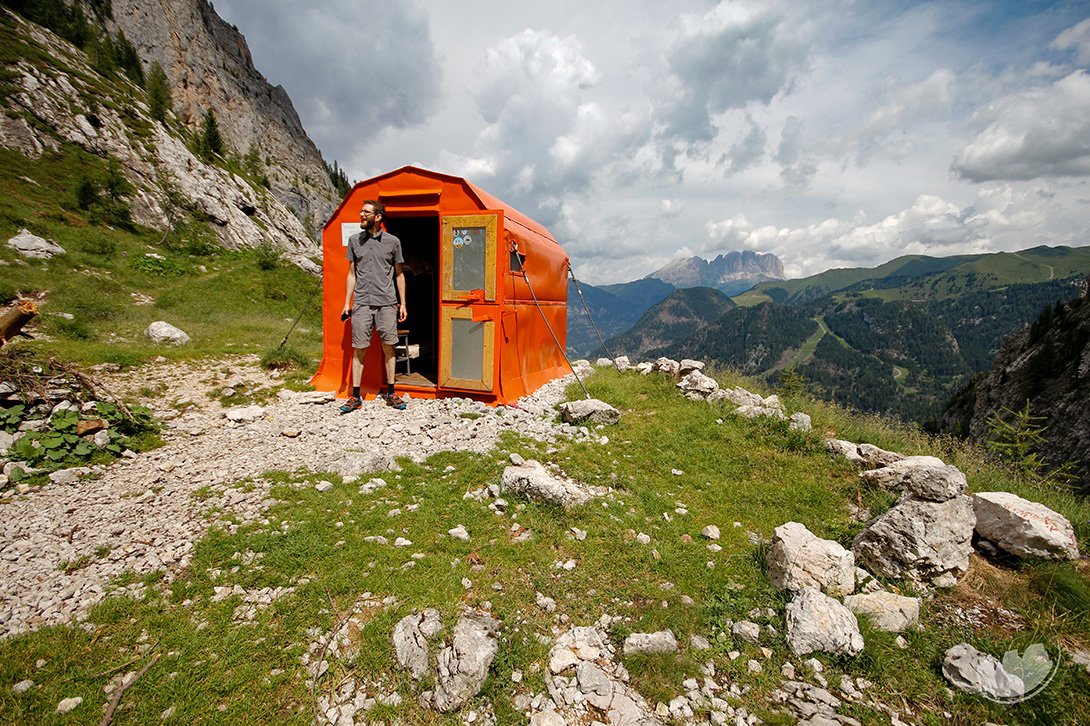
(22, 686)
(324, 486)
(711, 532)
(69, 704)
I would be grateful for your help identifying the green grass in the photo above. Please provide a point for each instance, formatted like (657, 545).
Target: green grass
(758, 474)
(228, 302)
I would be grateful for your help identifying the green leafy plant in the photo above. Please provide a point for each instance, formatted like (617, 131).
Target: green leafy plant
(10, 418)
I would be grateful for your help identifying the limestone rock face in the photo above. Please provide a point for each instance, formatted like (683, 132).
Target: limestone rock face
(695, 382)
(975, 672)
(410, 639)
(208, 67)
(799, 559)
(816, 622)
(919, 540)
(534, 481)
(461, 667)
(865, 455)
(661, 642)
(1024, 528)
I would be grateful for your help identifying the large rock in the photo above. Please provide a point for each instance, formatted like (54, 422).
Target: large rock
(589, 410)
(410, 639)
(163, 332)
(799, 559)
(698, 384)
(927, 477)
(668, 366)
(461, 667)
(816, 622)
(533, 481)
(662, 641)
(919, 540)
(244, 414)
(31, 245)
(865, 455)
(887, 611)
(1024, 528)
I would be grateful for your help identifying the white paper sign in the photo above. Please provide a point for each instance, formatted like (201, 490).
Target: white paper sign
(347, 230)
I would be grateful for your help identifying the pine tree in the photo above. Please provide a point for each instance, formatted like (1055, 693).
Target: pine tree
(209, 141)
(128, 59)
(159, 100)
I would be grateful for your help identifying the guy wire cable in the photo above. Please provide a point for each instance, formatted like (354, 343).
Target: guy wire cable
(301, 311)
(589, 316)
(550, 327)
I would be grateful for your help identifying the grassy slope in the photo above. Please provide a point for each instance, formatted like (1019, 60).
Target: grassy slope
(229, 305)
(756, 473)
(936, 277)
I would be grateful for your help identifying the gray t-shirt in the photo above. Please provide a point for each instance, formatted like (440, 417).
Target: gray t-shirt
(374, 258)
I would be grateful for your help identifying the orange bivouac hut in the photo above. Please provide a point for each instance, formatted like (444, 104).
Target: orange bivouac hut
(473, 328)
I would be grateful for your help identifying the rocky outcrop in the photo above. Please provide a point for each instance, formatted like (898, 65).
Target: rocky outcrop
(1046, 365)
(208, 66)
(50, 109)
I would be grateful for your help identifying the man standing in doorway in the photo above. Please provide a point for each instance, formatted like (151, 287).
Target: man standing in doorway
(374, 273)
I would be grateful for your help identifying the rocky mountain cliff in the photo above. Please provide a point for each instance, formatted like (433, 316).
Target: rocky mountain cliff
(208, 66)
(731, 273)
(56, 101)
(1046, 365)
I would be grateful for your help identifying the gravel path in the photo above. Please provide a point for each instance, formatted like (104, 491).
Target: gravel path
(60, 545)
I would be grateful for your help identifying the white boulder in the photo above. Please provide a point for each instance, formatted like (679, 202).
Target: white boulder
(590, 411)
(1024, 528)
(816, 622)
(799, 559)
(163, 332)
(33, 246)
(919, 540)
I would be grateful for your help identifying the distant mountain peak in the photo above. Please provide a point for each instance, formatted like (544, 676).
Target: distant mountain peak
(732, 273)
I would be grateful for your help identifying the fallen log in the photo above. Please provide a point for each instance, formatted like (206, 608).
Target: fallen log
(14, 318)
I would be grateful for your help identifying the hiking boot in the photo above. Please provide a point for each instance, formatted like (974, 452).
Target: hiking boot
(394, 401)
(351, 404)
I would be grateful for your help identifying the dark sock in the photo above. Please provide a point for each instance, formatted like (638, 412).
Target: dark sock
(355, 391)
(390, 389)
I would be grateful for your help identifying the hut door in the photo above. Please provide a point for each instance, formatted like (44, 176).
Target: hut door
(467, 327)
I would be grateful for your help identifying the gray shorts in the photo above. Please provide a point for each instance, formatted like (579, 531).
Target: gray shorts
(366, 319)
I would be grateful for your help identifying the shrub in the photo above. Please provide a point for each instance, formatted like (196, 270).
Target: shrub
(266, 256)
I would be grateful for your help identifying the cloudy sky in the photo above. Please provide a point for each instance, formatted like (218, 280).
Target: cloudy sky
(831, 133)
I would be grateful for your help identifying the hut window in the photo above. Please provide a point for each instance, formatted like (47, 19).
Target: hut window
(517, 260)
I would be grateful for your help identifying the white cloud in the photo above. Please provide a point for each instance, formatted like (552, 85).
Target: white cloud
(735, 54)
(544, 138)
(747, 151)
(352, 72)
(1076, 38)
(1000, 219)
(1040, 132)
